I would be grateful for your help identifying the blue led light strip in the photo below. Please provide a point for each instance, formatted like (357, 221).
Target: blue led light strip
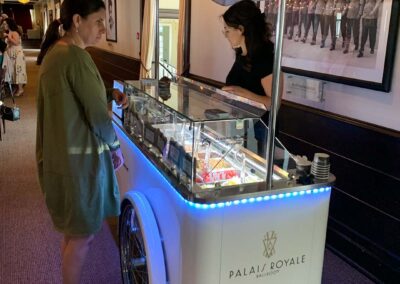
(256, 199)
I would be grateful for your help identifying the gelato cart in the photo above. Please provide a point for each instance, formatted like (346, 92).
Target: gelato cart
(196, 208)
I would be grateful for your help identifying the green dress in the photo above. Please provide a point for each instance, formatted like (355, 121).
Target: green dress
(73, 141)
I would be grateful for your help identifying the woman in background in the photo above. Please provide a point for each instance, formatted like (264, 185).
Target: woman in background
(14, 58)
(77, 150)
(251, 74)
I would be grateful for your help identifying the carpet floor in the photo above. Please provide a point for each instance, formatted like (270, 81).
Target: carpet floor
(30, 248)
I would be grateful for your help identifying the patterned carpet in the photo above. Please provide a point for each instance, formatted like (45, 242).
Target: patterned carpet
(29, 247)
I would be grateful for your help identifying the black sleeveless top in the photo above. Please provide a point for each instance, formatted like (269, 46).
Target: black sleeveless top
(247, 73)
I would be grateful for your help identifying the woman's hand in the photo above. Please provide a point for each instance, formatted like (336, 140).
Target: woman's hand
(242, 92)
(13, 38)
(120, 98)
(236, 90)
(117, 159)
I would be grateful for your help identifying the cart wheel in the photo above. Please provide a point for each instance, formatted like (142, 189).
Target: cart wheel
(142, 257)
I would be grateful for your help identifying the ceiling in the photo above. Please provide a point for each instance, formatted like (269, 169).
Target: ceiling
(16, 1)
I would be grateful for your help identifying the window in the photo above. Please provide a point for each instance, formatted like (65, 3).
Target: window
(168, 33)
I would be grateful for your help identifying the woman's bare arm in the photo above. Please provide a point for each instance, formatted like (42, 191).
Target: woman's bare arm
(266, 82)
(13, 37)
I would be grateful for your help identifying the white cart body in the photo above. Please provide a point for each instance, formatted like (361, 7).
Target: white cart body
(275, 237)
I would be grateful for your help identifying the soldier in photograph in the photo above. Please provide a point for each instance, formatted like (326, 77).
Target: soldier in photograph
(329, 24)
(288, 16)
(295, 17)
(270, 12)
(341, 8)
(318, 20)
(275, 7)
(310, 18)
(354, 12)
(303, 9)
(369, 25)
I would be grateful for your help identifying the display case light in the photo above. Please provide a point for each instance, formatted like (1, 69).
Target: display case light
(257, 199)
(23, 1)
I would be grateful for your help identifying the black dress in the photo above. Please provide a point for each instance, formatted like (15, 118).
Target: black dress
(247, 73)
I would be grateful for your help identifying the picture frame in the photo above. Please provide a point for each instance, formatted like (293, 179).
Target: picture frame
(111, 20)
(372, 70)
(51, 16)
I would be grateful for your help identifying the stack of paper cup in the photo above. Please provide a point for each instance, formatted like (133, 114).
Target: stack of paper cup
(320, 166)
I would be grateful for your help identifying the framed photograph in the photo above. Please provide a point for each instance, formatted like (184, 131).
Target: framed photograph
(51, 17)
(341, 41)
(111, 20)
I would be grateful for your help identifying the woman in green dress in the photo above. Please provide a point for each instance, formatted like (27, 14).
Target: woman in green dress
(77, 150)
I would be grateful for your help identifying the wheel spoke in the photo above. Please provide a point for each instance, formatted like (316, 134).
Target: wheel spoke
(133, 254)
(138, 262)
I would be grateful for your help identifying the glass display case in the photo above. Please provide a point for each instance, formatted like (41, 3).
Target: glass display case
(203, 137)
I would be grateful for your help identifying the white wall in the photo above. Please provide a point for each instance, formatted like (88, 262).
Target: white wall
(128, 25)
(210, 53)
(212, 57)
(366, 105)
(169, 4)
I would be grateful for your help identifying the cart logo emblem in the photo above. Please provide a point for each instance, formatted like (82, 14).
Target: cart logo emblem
(269, 244)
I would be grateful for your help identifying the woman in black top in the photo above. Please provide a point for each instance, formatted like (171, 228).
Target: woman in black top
(251, 74)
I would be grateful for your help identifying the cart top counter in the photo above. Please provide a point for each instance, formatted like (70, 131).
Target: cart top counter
(209, 143)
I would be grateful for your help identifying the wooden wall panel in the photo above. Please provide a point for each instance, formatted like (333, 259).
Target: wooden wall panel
(364, 215)
(115, 66)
